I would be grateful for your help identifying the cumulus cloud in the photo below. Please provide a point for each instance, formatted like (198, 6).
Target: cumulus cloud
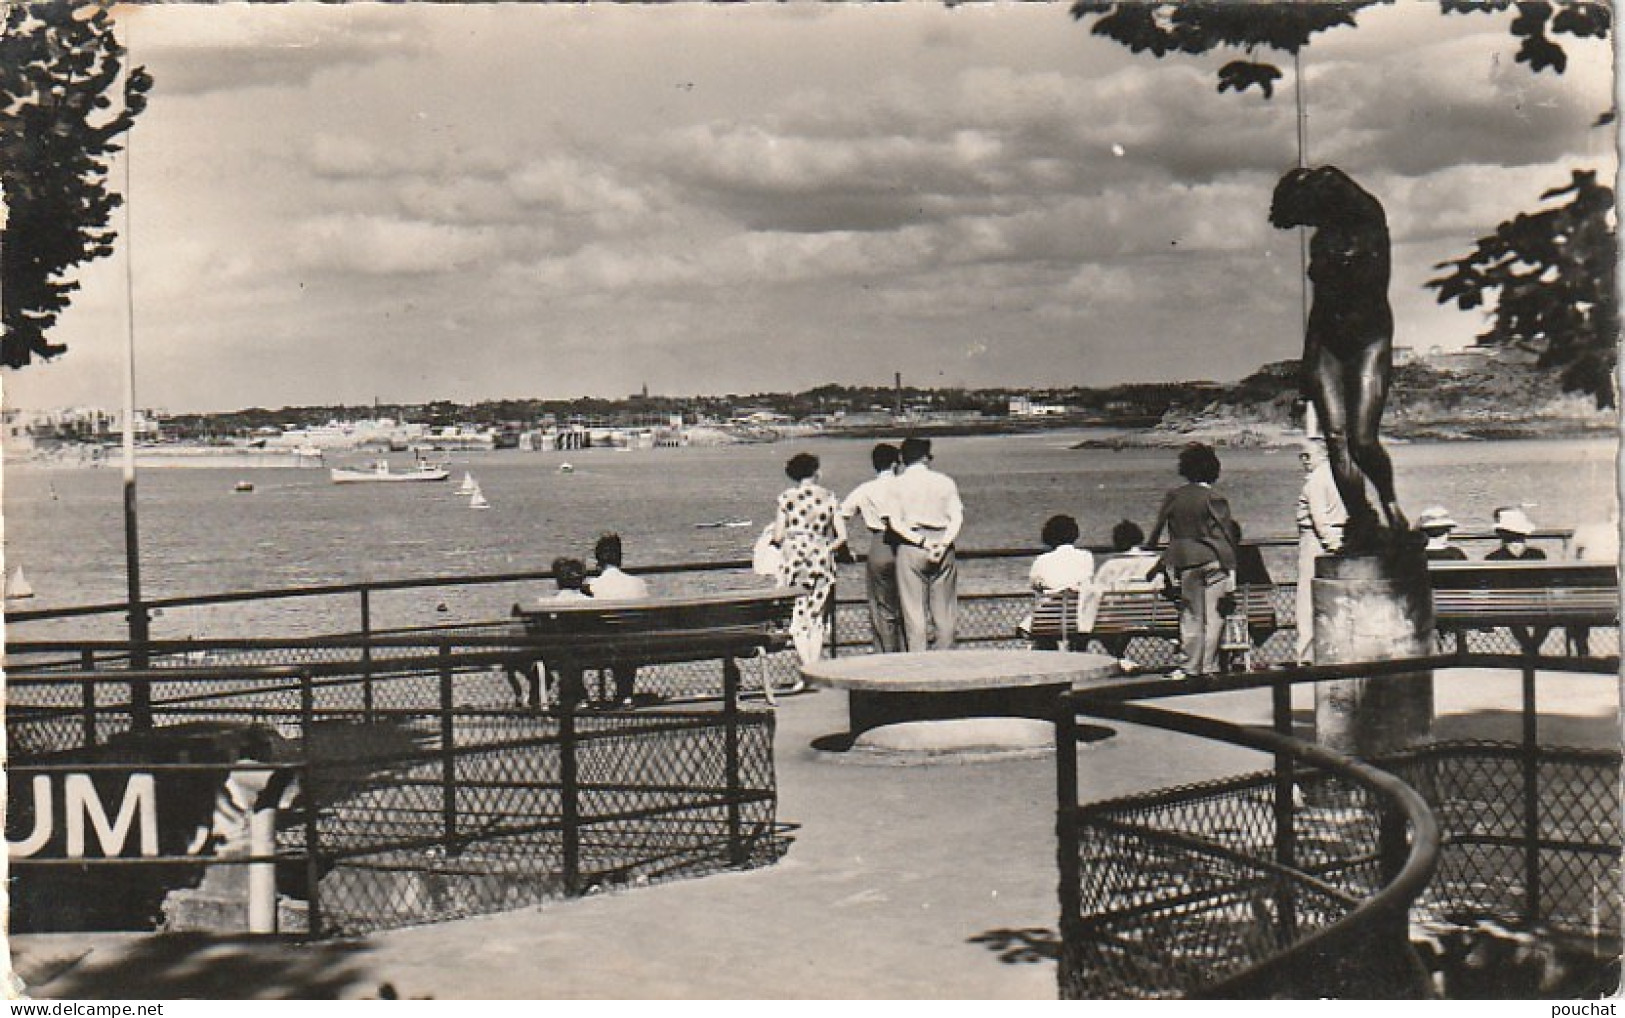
(373, 245)
(229, 48)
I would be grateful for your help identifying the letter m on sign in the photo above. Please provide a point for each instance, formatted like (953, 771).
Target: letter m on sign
(82, 804)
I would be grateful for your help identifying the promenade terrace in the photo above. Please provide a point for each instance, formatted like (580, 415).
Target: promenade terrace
(890, 881)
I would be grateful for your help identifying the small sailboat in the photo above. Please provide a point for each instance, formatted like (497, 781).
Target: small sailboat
(468, 486)
(477, 499)
(17, 585)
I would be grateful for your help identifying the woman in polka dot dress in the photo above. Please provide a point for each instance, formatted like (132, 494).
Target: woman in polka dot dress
(808, 529)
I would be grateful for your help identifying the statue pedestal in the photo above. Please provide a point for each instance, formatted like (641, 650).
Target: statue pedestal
(1373, 608)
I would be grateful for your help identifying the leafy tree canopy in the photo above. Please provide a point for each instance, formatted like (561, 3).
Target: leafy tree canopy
(60, 69)
(1552, 273)
(1287, 26)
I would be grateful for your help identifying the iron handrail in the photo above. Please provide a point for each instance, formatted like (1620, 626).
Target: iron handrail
(1393, 899)
(477, 579)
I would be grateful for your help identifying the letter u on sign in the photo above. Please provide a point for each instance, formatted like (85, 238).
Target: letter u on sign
(81, 806)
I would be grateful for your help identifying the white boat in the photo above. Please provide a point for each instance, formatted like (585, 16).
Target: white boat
(243, 486)
(17, 585)
(468, 487)
(731, 522)
(477, 499)
(380, 471)
(565, 468)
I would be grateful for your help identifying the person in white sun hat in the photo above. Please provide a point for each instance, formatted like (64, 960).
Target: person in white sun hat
(1512, 526)
(1436, 525)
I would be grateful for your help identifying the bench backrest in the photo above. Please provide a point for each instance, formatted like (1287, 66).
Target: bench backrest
(1139, 611)
(1466, 593)
(760, 609)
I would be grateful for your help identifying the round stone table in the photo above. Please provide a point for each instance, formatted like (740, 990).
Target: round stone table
(886, 690)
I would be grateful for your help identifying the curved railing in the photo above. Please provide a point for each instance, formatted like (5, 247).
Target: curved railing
(1235, 910)
(1309, 880)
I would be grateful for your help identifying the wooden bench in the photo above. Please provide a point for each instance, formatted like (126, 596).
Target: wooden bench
(1124, 614)
(1527, 598)
(569, 638)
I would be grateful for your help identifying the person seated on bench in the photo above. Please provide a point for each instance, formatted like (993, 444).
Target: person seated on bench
(1131, 567)
(1593, 542)
(1435, 524)
(611, 584)
(1512, 526)
(1064, 566)
(570, 575)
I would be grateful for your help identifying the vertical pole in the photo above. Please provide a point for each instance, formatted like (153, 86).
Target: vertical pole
(830, 617)
(140, 690)
(313, 861)
(262, 910)
(366, 655)
(730, 720)
(1066, 845)
(448, 753)
(1303, 163)
(569, 798)
(1531, 797)
(87, 662)
(1286, 839)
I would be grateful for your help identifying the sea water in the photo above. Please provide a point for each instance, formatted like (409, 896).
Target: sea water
(198, 535)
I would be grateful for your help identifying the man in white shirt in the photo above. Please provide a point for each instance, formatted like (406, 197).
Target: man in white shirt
(929, 517)
(611, 584)
(873, 501)
(1321, 518)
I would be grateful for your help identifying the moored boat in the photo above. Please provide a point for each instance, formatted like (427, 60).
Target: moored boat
(730, 522)
(380, 471)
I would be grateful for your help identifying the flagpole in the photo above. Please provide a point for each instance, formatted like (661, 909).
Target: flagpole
(140, 694)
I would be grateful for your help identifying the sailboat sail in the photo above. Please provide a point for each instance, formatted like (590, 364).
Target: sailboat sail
(17, 585)
(468, 486)
(477, 500)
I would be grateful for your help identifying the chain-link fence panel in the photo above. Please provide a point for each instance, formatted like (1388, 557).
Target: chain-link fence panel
(524, 809)
(1184, 886)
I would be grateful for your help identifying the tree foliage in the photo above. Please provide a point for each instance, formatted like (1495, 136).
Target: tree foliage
(61, 69)
(1552, 271)
(1287, 26)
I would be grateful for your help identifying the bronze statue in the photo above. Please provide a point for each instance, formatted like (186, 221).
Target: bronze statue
(1349, 344)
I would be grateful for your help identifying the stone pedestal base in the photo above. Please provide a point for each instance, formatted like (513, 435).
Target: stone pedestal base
(1376, 608)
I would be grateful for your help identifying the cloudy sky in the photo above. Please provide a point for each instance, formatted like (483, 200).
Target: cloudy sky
(341, 202)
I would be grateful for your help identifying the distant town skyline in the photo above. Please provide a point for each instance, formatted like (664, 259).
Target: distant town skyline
(337, 203)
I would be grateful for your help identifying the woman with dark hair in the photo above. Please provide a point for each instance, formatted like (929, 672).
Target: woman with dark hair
(1200, 558)
(1063, 566)
(807, 529)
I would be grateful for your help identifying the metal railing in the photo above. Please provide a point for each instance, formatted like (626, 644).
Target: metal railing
(1304, 881)
(437, 802)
